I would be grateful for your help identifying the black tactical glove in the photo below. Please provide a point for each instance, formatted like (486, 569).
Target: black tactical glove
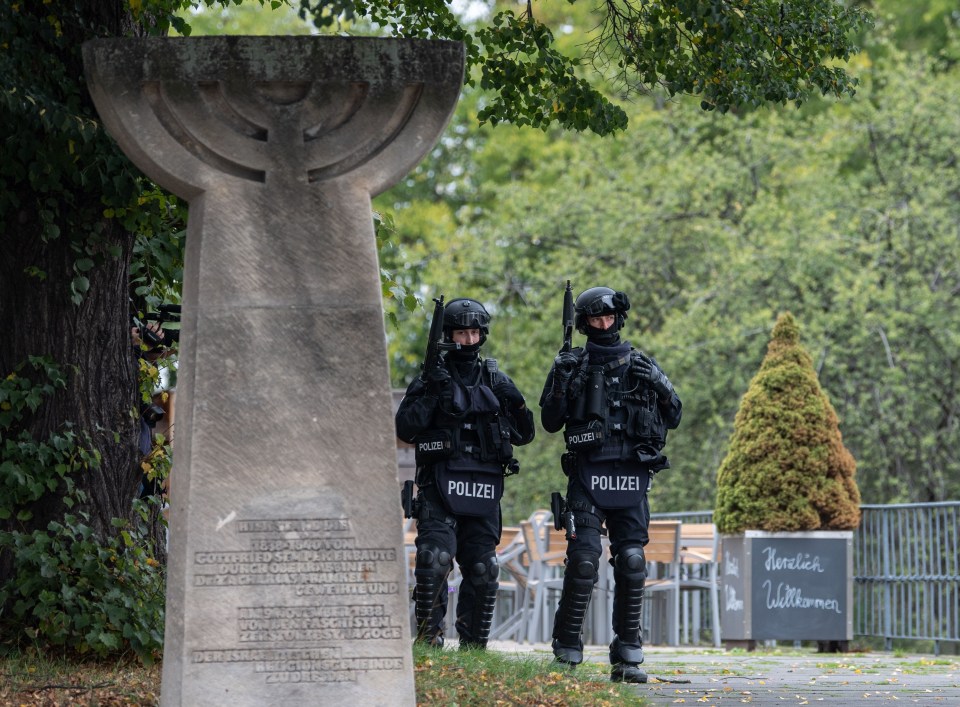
(509, 394)
(438, 381)
(646, 370)
(564, 366)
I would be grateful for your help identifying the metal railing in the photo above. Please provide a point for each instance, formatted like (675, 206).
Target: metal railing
(907, 572)
(906, 566)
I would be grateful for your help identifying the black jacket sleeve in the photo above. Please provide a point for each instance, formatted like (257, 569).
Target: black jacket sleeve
(521, 419)
(553, 410)
(416, 411)
(670, 408)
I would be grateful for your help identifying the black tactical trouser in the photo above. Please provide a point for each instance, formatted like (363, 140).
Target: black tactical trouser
(627, 528)
(472, 541)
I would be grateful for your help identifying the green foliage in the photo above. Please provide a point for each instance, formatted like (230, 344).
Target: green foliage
(395, 295)
(30, 469)
(731, 54)
(63, 177)
(786, 468)
(737, 53)
(843, 214)
(73, 590)
(69, 588)
(531, 83)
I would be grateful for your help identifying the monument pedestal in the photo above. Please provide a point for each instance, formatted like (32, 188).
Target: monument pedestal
(286, 578)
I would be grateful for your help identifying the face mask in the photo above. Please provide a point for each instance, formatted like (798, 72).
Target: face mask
(604, 337)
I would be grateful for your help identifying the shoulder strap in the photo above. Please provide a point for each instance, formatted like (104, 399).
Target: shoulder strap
(491, 373)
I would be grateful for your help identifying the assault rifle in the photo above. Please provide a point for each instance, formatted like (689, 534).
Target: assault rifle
(567, 319)
(435, 343)
(165, 314)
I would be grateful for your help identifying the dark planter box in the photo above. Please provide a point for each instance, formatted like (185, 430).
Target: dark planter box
(787, 586)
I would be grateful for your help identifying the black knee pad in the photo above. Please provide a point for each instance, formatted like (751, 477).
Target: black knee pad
(631, 562)
(430, 557)
(484, 571)
(583, 564)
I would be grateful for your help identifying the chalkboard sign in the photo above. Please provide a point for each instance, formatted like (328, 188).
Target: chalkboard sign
(787, 586)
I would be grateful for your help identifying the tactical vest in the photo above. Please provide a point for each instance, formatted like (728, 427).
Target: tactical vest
(616, 431)
(469, 448)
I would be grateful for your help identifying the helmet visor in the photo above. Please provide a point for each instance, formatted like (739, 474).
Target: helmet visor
(602, 304)
(468, 320)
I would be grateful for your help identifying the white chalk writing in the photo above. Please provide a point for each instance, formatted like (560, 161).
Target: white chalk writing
(802, 561)
(731, 603)
(788, 597)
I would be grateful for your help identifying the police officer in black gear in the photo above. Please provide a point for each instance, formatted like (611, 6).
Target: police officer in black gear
(615, 405)
(463, 418)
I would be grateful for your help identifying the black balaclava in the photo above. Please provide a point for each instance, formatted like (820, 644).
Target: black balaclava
(604, 337)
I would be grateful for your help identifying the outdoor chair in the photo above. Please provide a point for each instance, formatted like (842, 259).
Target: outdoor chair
(663, 571)
(509, 622)
(544, 571)
(699, 557)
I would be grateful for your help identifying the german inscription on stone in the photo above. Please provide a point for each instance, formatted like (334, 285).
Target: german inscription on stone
(327, 590)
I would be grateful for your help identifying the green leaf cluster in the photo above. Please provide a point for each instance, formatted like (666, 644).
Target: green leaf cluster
(732, 54)
(529, 82)
(85, 595)
(786, 468)
(735, 54)
(69, 588)
(62, 177)
(30, 469)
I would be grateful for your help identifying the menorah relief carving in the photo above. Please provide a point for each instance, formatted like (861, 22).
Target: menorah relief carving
(313, 112)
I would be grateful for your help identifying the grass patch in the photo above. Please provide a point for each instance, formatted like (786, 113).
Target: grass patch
(443, 678)
(482, 678)
(32, 678)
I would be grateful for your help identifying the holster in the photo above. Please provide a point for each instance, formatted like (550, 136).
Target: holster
(411, 509)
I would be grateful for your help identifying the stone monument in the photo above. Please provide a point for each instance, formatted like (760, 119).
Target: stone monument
(286, 578)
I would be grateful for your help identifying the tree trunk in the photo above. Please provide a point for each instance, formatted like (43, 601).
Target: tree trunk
(91, 341)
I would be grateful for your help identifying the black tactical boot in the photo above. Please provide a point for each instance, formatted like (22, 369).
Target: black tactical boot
(627, 672)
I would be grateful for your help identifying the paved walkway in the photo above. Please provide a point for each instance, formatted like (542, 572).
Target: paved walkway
(784, 677)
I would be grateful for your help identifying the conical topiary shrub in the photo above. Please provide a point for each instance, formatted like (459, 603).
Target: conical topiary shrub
(787, 468)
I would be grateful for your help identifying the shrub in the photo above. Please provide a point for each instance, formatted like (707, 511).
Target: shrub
(68, 588)
(787, 468)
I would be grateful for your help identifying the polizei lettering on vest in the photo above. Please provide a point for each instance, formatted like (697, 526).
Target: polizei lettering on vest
(609, 482)
(436, 446)
(582, 438)
(470, 489)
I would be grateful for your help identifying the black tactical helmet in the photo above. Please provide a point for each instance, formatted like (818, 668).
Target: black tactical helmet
(597, 301)
(464, 313)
